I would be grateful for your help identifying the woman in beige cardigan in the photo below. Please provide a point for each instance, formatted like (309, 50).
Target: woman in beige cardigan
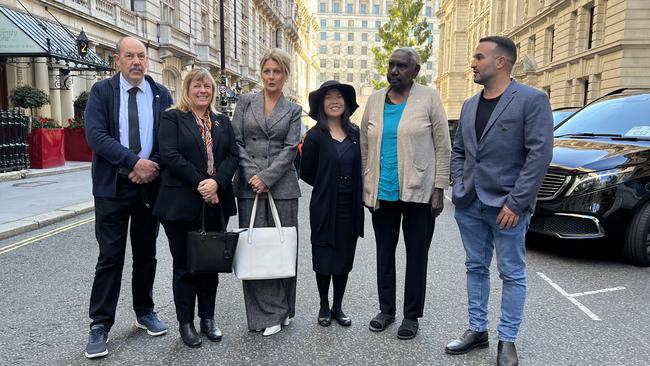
(405, 149)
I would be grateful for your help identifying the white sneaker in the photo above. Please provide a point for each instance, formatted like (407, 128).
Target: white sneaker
(286, 321)
(272, 330)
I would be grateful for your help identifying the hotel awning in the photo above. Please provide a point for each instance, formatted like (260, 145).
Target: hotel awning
(23, 35)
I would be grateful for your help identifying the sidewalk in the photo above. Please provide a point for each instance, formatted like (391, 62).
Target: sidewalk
(43, 197)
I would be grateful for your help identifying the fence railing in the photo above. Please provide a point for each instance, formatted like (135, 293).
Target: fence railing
(14, 154)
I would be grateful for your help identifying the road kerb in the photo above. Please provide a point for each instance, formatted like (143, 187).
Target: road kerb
(24, 225)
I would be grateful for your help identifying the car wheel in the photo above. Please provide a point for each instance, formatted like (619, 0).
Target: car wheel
(637, 237)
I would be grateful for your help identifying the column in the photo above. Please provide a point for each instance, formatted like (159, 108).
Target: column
(67, 107)
(55, 95)
(41, 81)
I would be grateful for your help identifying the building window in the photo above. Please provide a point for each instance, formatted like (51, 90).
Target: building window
(350, 64)
(375, 8)
(348, 8)
(585, 91)
(531, 47)
(363, 8)
(350, 23)
(323, 23)
(364, 37)
(337, 64)
(337, 36)
(350, 50)
(323, 36)
(364, 24)
(364, 50)
(323, 78)
(336, 7)
(322, 7)
(171, 81)
(205, 31)
(550, 42)
(168, 12)
(364, 64)
(378, 24)
(590, 36)
(336, 50)
(322, 50)
(427, 11)
(350, 78)
(323, 64)
(377, 38)
(429, 65)
(337, 23)
(350, 36)
(336, 76)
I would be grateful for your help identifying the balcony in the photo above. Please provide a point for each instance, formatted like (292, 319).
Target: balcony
(174, 40)
(271, 8)
(291, 26)
(207, 55)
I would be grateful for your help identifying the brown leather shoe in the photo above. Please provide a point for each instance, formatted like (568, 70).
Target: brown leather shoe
(507, 354)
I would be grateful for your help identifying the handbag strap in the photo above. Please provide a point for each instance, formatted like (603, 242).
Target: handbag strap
(274, 213)
(221, 218)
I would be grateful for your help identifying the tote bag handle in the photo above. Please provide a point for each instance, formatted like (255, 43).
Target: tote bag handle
(274, 213)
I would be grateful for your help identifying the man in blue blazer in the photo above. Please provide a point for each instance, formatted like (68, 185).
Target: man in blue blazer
(122, 117)
(501, 151)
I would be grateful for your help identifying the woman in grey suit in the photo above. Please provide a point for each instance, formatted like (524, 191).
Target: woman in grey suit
(267, 132)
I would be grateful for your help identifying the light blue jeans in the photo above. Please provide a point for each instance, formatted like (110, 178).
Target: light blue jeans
(481, 235)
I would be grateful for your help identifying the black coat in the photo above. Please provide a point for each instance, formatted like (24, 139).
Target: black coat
(320, 168)
(185, 164)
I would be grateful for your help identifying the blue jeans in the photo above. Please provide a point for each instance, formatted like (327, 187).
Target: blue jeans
(481, 235)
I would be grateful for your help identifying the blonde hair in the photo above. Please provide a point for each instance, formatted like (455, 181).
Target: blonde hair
(280, 57)
(196, 74)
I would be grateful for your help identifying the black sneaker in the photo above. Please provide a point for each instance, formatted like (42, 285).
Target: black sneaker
(97, 339)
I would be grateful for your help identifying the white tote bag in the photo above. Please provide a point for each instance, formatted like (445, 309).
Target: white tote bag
(265, 253)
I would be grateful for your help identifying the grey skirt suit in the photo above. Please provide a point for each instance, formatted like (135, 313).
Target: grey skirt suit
(267, 148)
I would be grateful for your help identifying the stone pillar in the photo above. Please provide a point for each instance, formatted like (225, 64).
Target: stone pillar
(55, 95)
(67, 108)
(41, 81)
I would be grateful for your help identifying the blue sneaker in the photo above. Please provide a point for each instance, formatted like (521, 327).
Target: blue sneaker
(97, 340)
(153, 325)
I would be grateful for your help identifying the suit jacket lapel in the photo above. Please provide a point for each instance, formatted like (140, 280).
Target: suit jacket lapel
(257, 107)
(501, 106)
(189, 123)
(281, 108)
(116, 104)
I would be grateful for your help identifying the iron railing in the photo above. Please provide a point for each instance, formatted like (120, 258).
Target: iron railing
(14, 154)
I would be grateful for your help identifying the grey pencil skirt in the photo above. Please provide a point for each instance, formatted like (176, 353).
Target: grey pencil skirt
(269, 302)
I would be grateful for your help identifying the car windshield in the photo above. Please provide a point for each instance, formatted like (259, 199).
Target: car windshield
(559, 116)
(623, 115)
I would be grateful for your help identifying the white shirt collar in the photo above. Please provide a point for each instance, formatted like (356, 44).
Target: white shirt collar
(127, 85)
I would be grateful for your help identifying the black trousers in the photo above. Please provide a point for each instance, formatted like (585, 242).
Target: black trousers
(112, 217)
(417, 227)
(189, 288)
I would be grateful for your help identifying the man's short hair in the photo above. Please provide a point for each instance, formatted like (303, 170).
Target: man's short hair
(411, 52)
(505, 45)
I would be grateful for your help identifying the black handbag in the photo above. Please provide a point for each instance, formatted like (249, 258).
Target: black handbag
(211, 252)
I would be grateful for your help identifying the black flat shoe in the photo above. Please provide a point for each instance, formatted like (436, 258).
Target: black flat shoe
(380, 322)
(189, 335)
(341, 318)
(211, 330)
(325, 318)
(408, 329)
(467, 342)
(507, 354)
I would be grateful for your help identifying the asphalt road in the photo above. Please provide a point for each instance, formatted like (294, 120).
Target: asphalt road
(45, 285)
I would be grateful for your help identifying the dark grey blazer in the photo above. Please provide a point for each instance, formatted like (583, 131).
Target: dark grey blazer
(507, 164)
(267, 147)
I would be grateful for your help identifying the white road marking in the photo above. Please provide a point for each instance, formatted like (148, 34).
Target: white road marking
(597, 291)
(569, 297)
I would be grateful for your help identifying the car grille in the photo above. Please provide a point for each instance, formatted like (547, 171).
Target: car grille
(566, 226)
(552, 186)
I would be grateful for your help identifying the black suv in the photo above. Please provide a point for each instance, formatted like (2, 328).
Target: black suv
(598, 183)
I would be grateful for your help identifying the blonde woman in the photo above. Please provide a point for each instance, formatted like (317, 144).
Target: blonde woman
(199, 159)
(267, 130)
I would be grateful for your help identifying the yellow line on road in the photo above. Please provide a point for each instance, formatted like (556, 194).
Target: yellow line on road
(40, 237)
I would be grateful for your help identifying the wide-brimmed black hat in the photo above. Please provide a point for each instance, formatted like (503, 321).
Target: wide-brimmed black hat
(316, 97)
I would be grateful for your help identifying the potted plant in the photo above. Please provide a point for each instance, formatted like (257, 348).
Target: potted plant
(28, 97)
(76, 147)
(45, 144)
(80, 104)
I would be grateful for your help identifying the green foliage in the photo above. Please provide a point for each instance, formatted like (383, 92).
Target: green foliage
(28, 97)
(81, 101)
(42, 122)
(76, 122)
(403, 29)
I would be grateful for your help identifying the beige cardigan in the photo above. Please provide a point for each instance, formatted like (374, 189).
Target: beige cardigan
(423, 146)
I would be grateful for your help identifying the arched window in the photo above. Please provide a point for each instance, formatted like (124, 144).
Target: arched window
(171, 79)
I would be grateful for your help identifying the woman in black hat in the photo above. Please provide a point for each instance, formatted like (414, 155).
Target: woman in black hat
(331, 163)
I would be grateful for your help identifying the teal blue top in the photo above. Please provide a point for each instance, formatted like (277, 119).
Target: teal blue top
(388, 174)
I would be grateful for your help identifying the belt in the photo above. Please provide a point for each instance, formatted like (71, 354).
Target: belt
(344, 178)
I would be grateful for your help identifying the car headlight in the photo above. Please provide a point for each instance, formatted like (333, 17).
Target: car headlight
(594, 181)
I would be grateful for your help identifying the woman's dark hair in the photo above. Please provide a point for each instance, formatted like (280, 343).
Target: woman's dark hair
(322, 122)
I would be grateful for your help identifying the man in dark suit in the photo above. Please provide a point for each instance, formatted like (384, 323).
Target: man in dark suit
(122, 117)
(502, 149)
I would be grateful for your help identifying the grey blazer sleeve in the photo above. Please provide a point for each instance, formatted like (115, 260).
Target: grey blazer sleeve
(458, 153)
(283, 161)
(538, 144)
(246, 164)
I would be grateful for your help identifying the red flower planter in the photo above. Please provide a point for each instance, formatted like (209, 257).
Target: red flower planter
(46, 148)
(76, 147)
